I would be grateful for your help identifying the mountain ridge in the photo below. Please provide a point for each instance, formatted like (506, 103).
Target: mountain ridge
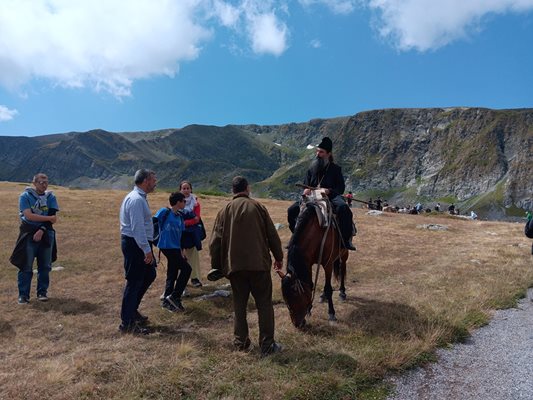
(471, 156)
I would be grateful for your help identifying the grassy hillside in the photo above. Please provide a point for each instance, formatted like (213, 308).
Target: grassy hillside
(409, 291)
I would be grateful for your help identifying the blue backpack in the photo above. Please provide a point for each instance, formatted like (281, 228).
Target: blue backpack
(157, 226)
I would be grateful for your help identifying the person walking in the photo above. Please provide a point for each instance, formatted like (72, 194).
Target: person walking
(36, 240)
(192, 237)
(325, 174)
(171, 225)
(137, 233)
(243, 237)
(528, 229)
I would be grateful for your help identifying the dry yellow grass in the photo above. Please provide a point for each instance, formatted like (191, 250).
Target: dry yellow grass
(409, 290)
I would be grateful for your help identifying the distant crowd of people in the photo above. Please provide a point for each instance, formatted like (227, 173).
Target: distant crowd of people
(382, 205)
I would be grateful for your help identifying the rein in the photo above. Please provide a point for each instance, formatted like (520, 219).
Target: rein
(321, 252)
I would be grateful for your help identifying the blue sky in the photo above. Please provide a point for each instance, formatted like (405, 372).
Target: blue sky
(73, 65)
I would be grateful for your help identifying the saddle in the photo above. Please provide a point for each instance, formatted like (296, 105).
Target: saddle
(322, 206)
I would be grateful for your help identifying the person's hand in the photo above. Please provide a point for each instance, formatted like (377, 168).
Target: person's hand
(277, 268)
(326, 191)
(149, 258)
(37, 236)
(307, 192)
(196, 220)
(183, 254)
(53, 219)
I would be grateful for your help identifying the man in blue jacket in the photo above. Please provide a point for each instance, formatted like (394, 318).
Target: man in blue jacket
(325, 174)
(38, 208)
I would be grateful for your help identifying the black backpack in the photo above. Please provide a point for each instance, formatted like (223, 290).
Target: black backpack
(157, 226)
(528, 230)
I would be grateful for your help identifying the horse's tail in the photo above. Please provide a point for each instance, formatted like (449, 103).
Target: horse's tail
(339, 269)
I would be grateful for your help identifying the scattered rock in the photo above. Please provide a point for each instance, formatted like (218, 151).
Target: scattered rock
(374, 212)
(278, 226)
(216, 293)
(225, 286)
(433, 227)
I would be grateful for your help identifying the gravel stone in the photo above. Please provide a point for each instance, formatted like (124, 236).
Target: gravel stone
(495, 363)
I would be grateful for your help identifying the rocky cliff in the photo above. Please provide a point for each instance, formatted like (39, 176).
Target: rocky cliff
(480, 158)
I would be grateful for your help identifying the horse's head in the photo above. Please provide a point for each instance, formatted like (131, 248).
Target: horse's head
(298, 297)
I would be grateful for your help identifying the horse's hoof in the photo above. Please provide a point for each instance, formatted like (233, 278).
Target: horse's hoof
(342, 296)
(332, 317)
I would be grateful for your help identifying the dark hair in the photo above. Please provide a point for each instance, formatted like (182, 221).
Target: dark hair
(175, 197)
(185, 182)
(142, 174)
(239, 184)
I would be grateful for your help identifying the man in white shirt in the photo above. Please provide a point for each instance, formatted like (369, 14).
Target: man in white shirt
(137, 233)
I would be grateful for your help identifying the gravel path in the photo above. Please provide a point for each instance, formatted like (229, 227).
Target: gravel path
(496, 363)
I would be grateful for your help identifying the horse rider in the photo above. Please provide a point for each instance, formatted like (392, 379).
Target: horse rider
(325, 174)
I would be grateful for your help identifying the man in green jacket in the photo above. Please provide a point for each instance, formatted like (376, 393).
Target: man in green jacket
(242, 239)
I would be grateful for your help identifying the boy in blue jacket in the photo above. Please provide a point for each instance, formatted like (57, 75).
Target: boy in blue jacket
(171, 227)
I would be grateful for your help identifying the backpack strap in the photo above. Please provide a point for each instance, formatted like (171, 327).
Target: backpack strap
(164, 217)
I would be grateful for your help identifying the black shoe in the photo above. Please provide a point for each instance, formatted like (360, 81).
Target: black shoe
(273, 349)
(42, 297)
(348, 245)
(214, 275)
(167, 306)
(23, 300)
(175, 302)
(245, 347)
(196, 283)
(134, 329)
(141, 319)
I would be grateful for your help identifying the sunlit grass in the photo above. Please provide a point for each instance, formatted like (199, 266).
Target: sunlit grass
(409, 291)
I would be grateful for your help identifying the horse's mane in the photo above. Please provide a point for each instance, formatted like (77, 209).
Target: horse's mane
(295, 257)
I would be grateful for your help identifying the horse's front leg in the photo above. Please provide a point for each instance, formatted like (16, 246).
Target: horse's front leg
(342, 278)
(328, 293)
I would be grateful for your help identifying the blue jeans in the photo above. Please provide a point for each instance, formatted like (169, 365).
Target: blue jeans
(43, 253)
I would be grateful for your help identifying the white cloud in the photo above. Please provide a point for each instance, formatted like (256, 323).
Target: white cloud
(104, 44)
(315, 43)
(226, 13)
(425, 24)
(337, 6)
(268, 34)
(108, 44)
(6, 114)
(258, 19)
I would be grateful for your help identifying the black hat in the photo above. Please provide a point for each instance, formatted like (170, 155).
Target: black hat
(326, 144)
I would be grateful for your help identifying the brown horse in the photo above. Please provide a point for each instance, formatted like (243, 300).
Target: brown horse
(308, 243)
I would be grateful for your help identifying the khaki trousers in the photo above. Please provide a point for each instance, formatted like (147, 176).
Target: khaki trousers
(193, 258)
